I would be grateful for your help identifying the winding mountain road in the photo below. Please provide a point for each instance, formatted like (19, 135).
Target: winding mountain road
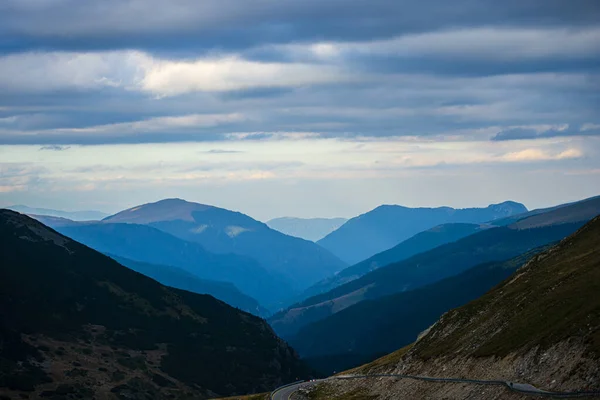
(285, 392)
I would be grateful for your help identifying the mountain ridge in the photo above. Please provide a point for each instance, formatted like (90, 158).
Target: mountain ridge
(540, 326)
(494, 244)
(82, 215)
(387, 225)
(218, 230)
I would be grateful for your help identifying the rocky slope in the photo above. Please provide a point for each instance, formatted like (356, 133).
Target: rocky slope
(76, 324)
(541, 326)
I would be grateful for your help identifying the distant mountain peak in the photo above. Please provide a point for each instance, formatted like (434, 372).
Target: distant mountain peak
(166, 209)
(387, 225)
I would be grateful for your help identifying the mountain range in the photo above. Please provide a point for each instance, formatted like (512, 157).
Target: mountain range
(75, 323)
(488, 245)
(419, 243)
(540, 326)
(311, 229)
(394, 321)
(301, 262)
(388, 225)
(89, 215)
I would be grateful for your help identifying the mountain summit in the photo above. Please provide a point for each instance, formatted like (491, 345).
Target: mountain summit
(218, 230)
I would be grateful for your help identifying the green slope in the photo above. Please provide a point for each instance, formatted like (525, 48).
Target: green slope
(552, 300)
(395, 321)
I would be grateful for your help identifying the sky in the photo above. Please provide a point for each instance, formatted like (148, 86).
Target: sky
(300, 107)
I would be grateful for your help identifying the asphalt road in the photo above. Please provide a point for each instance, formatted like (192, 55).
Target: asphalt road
(285, 392)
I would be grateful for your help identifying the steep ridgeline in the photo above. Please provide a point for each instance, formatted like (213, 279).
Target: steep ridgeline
(181, 279)
(386, 226)
(76, 324)
(419, 243)
(301, 262)
(311, 229)
(149, 245)
(391, 322)
(553, 215)
(489, 245)
(540, 326)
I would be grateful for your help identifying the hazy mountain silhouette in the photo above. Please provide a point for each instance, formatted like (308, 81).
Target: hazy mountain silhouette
(489, 245)
(419, 243)
(88, 215)
(300, 261)
(388, 225)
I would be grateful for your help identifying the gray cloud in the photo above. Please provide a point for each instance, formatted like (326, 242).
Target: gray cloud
(234, 24)
(55, 148)
(223, 151)
(135, 71)
(544, 132)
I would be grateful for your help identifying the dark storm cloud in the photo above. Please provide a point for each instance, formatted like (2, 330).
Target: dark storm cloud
(115, 71)
(187, 25)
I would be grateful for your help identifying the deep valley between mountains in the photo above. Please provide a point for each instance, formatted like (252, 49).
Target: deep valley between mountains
(181, 300)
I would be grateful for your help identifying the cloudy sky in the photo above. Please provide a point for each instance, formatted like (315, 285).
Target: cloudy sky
(298, 107)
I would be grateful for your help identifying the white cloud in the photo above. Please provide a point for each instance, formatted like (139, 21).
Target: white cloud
(166, 77)
(136, 70)
(536, 154)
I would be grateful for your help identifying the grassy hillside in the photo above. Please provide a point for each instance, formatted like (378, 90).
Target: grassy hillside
(395, 321)
(553, 298)
(73, 321)
(540, 325)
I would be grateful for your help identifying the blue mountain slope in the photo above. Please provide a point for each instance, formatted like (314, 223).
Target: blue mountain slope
(388, 225)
